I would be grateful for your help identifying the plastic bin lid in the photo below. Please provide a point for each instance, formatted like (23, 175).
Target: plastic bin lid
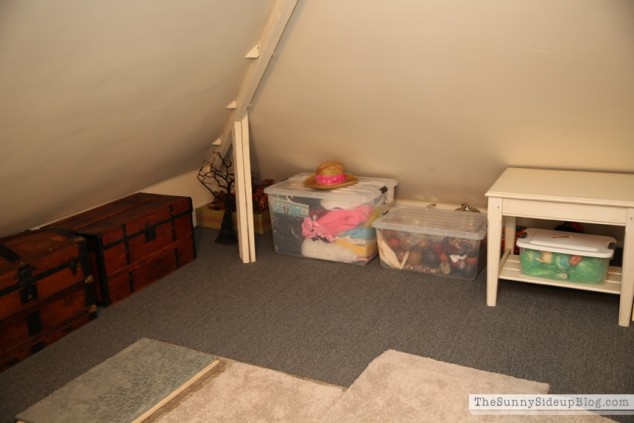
(432, 221)
(568, 243)
(364, 191)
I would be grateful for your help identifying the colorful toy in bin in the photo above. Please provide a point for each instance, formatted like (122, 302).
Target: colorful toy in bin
(565, 256)
(428, 240)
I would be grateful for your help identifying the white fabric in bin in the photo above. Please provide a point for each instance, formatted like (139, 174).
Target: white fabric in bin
(341, 204)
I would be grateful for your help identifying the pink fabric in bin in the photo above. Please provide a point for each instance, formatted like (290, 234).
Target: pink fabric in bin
(335, 222)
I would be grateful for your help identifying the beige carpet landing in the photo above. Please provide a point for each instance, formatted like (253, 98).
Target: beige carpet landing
(395, 387)
(240, 392)
(400, 387)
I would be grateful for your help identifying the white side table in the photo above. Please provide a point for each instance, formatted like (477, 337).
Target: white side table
(590, 197)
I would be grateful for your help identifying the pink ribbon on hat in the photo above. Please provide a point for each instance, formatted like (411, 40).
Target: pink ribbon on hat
(330, 180)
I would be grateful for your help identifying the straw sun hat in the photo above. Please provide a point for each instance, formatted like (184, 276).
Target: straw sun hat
(330, 175)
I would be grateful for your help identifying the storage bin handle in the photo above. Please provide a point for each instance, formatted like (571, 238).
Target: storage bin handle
(9, 255)
(150, 232)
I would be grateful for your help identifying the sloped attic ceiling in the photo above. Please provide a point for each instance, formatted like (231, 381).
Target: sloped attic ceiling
(101, 99)
(444, 94)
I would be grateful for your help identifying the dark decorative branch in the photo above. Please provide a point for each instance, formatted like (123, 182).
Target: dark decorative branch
(219, 180)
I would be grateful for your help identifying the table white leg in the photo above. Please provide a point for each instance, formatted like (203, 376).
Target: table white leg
(510, 227)
(494, 238)
(627, 281)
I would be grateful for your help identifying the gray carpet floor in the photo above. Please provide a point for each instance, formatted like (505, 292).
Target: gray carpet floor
(327, 321)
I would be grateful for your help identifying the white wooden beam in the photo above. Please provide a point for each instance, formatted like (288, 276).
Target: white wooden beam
(271, 35)
(254, 53)
(244, 199)
(238, 122)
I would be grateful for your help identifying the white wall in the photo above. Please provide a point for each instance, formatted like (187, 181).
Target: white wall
(98, 100)
(444, 94)
(101, 99)
(183, 185)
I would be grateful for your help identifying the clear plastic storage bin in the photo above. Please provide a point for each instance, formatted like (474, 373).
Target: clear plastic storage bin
(334, 225)
(433, 241)
(565, 256)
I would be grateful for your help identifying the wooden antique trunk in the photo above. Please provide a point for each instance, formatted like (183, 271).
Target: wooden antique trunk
(46, 291)
(134, 241)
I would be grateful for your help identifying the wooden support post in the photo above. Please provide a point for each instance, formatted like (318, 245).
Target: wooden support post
(260, 56)
(244, 199)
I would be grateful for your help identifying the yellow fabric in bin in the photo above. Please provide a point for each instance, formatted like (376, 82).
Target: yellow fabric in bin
(362, 249)
(376, 213)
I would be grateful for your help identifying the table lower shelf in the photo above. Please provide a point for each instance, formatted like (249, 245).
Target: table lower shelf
(510, 269)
